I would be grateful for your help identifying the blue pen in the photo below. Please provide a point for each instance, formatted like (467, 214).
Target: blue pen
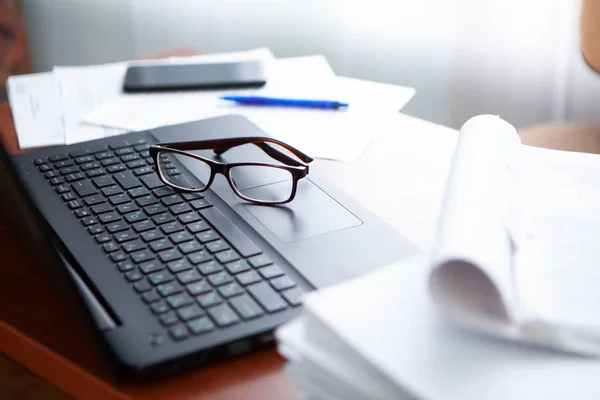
(274, 101)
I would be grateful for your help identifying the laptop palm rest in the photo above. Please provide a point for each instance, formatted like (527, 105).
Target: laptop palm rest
(312, 213)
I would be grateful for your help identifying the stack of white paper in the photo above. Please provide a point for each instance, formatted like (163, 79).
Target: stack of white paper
(91, 105)
(504, 307)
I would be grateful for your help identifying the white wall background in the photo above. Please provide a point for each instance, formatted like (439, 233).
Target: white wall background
(516, 58)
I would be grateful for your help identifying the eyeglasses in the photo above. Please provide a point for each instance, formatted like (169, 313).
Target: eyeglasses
(282, 180)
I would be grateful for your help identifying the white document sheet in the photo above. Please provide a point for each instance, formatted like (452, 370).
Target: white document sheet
(559, 273)
(36, 109)
(339, 134)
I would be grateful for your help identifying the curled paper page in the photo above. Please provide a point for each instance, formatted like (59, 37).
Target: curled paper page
(472, 257)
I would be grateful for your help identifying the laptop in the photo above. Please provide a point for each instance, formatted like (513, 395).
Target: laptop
(168, 280)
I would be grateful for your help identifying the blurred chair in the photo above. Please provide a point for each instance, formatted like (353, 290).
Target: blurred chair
(580, 137)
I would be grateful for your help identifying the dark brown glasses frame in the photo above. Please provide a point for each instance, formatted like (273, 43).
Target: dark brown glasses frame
(298, 169)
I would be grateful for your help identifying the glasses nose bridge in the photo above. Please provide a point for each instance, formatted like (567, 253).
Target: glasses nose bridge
(219, 168)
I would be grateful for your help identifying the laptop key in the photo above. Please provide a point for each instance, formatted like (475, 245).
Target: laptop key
(101, 208)
(109, 217)
(95, 172)
(68, 196)
(159, 307)
(103, 237)
(227, 256)
(171, 227)
(162, 218)
(163, 191)
(127, 208)
(93, 199)
(126, 265)
(189, 247)
(189, 276)
(115, 227)
(142, 286)
(109, 161)
(271, 271)
(50, 174)
(73, 204)
(87, 221)
(126, 180)
(220, 278)
(230, 290)
(188, 218)
(200, 326)
(180, 209)
(90, 165)
(83, 188)
(145, 201)
(141, 256)
(64, 163)
(138, 192)
(207, 236)
(111, 190)
(118, 199)
(179, 265)
(180, 300)
(246, 307)
(142, 226)
(150, 235)
(260, 261)
(151, 296)
(217, 245)
(154, 209)
(210, 267)
(169, 319)
(199, 257)
(62, 189)
(160, 245)
(200, 204)
(180, 237)
(115, 168)
(197, 226)
(171, 200)
(268, 298)
(133, 275)
(179, 332)
(223, 315)
(118, 256)
(83, 159)
(136, 245)
(74, 177)
(142, 170)
(234, 235)
(125, 236)
(169, 255)
(209, 299)
(45, 167)
(134, 217)
(109, 247)
(58, 157)
(151, 266)
(156, 278)
(82, 212)
(167, 289)
(282, 283)
(56, 181)
(151, 181)
(68, 170)
(123, 151)
(235, 267)
(248, 277)
(190, 312)
(38, 161)
(293, 296)
(95, 229)
(103, 181)
(119, 145)
(198, 287)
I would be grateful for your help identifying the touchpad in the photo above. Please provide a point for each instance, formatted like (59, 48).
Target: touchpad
(312, 212)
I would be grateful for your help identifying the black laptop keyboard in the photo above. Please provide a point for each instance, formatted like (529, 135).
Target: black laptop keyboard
(193, 268)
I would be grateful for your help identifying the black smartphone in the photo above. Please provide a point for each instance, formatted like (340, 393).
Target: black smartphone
(163, 77)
